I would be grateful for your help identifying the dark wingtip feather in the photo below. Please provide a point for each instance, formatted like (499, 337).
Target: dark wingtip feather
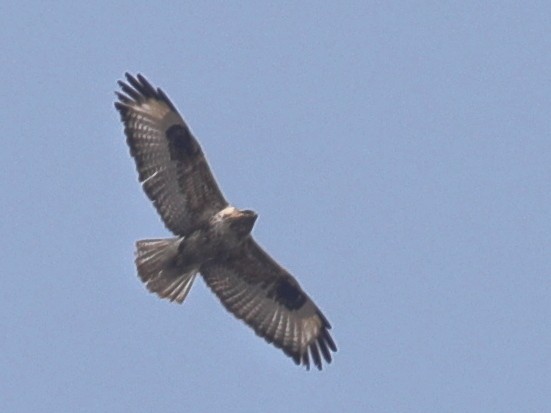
(132, 80)
(306, 360)
(315, 355)
(123, 98)
(137, 88)
(329, 340)
(324, 350)
(322, 347)
(146, 88)
(317, 351)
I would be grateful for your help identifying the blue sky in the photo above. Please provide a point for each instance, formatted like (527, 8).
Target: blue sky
(398, 156)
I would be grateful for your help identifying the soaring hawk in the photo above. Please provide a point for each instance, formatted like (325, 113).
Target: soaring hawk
(212, 238)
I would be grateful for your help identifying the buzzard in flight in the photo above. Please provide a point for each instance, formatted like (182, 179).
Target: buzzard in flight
(213, 238)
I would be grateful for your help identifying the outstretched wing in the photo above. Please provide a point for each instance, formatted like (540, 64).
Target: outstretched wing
(170, 163)
(252, 286)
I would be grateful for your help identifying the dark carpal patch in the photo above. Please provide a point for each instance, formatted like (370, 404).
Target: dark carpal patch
(180, 143)
(287, 294)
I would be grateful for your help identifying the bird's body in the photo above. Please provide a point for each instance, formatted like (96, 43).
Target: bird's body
(213, 238)
(217, 237)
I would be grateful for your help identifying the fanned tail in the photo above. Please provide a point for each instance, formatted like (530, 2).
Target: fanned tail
(156, 260)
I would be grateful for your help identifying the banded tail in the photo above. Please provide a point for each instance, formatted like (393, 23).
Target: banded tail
(158, 268)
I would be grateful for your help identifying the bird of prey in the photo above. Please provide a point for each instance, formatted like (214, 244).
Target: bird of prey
(212, 238)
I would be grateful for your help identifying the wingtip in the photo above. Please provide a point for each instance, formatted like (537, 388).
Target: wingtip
(137, 88)
(141, 78)
(318, 353)
(128, 76)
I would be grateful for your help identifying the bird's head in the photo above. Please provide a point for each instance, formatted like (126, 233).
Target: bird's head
(242, 221)
(238, 221)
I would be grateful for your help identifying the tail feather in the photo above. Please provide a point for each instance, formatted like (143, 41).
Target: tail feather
(156, 260)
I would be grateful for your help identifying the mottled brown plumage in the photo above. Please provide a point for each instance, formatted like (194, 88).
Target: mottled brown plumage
(212, 238)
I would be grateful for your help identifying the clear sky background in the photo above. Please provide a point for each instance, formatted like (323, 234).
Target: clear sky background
(398, 155)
